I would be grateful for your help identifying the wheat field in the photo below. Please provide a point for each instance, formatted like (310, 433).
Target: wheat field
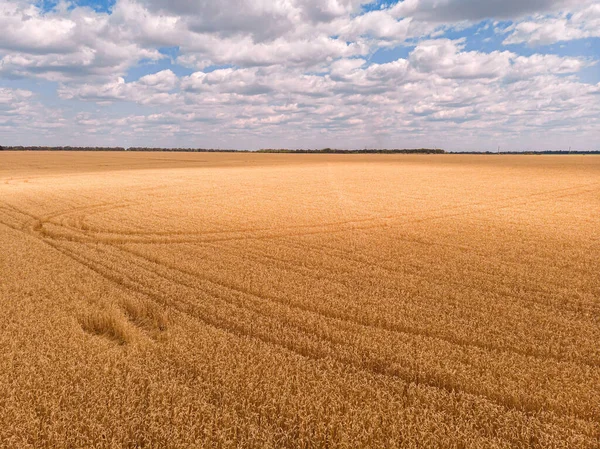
(156, 300)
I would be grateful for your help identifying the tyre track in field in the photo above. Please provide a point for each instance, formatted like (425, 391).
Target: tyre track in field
(39, 224)
(104, 205)
(375, 323)
(347, 255)
(188, 237)
(35, 223)
(262, 298)
(316, 273)
(316, 351)
(218, 320)
(401, 329)
(534, 302)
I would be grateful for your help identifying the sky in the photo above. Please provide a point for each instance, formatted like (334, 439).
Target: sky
(249, 74)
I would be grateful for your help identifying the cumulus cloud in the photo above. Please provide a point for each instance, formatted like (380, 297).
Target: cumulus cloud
(21, 115)
(64, 44)
(438, 85)
(24, 29)
(148, 89)
(544, 30)
(241, 81)
(261, 19)
(11, 99)
(444, 57)
(242, 51)
(476, 10)
(246, 73)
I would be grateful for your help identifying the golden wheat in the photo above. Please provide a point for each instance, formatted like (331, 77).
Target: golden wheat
(266, 301)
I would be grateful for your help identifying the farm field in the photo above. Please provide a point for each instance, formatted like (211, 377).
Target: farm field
(210, 300)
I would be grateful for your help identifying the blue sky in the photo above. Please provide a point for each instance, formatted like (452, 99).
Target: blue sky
(460, 74)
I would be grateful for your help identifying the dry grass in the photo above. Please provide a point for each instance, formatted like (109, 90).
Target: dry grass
(269, 301)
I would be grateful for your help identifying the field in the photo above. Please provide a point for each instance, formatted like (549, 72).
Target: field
(202, 300)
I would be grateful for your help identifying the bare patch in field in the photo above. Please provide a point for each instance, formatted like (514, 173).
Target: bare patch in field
(145, 313)
(106, 324)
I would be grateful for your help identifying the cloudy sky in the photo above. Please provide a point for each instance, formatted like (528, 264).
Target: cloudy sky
(455, 74)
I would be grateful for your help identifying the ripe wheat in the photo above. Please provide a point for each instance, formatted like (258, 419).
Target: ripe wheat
(268, 301)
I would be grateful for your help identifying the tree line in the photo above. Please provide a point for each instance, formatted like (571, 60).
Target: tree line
(286, 150)
(214, 150)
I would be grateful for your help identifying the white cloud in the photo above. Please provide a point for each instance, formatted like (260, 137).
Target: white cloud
(148, 89)
(24, 29)
(242, 51)
(21, 115)
(476, 10)
(444, 57)
(439, 88)
(66, 44)
(377, 24)
(262, 19)
(296, 73)
(241, 81)
(9, 98)
(544, 30)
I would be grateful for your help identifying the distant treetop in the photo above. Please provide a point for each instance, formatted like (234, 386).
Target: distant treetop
(283, 150)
